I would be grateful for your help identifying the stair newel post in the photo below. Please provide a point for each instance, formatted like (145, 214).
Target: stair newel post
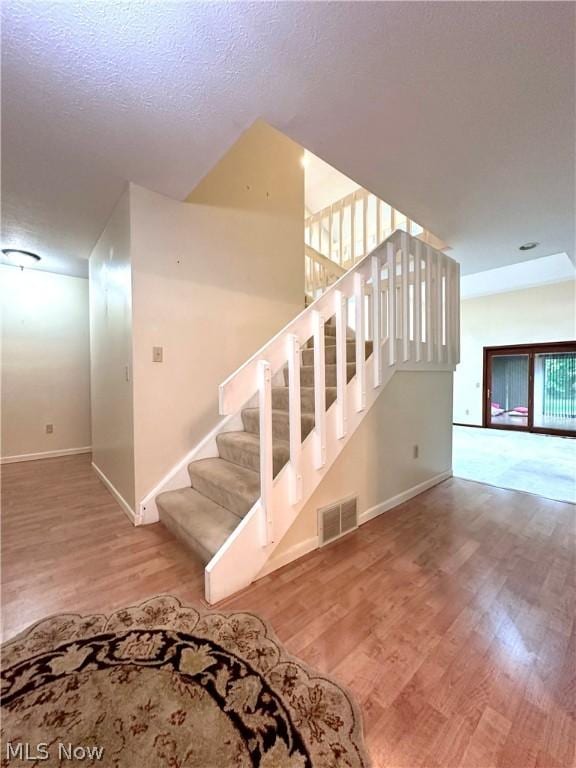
(359, 290)
(266, 453)
(449, 319)
(418, 299)
(376, 320)
(319, 389)
(295, 424)
(340, 308)
(456, 300)
(391, 258)
(405, 277)
(429, 306)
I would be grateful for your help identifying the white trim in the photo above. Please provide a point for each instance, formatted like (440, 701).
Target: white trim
(400, 498)
(294, 552)
(126, 508)
(45, 455)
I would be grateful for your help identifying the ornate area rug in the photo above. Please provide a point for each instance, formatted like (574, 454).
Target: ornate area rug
(161, 684)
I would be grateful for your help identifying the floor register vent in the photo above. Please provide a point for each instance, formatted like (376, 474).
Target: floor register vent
(337, 519)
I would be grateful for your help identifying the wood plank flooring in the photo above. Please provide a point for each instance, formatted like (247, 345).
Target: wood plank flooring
(451, 618)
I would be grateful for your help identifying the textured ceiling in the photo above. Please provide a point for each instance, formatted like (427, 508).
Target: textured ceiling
(459, 114)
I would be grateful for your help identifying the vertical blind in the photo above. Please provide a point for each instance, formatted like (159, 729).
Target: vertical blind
(559, 396)
(510, 381)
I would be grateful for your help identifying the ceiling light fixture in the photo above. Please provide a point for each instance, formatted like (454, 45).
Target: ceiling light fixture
(528, 246)
(20, 258)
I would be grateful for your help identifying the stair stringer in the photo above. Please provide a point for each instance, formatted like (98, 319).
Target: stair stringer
(243, 556)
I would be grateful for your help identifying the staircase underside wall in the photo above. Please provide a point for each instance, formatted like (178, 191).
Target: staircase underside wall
(378, 463)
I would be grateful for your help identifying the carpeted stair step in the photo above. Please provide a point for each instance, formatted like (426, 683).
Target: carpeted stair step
(231, 486)
(280, 423)
(330, 339)
(307, 374)
(280, 398)
(330, 353)
(198, 522)
(243, 448)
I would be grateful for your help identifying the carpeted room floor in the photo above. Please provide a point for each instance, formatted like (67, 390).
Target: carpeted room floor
(521, 461)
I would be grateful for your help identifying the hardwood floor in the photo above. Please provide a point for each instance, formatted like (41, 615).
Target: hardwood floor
(451, 618)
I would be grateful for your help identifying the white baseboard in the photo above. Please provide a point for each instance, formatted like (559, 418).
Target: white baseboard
(400, 498)
(45, 455)
(126, 508)
(308, 545)
(292, 553)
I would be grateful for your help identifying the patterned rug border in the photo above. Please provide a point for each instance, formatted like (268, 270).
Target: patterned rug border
(356, 735)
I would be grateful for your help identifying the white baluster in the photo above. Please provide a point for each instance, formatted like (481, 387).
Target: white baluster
(418, 299)
(448, 313)
(352, 229)
(391, 257)
(341, 235)
(365, 224)
(330, 225)
(438, 308)
(340, 309)
(376, 320)
(294, 418)
(359, 290)
(266, 454)
(319, 389)
(457, 313)
(429, 306)
(405, 276)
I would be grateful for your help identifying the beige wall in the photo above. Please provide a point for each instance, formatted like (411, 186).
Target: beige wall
(378, 463)
(544, 313)
(111, 353)
(213, 280)
(45, 362)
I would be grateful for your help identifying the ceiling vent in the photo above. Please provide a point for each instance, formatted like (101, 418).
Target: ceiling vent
(337, 519)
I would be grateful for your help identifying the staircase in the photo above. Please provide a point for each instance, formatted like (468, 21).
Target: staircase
(223, 489)
(291, 408)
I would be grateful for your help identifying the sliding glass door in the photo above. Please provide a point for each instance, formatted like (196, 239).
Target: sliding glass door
(531, 388)
(509, 390)
(555, 391)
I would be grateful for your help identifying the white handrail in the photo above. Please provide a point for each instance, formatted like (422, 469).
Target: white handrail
(398, 265)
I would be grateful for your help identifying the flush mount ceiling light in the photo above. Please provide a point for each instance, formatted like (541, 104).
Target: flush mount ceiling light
(20, 258)
(528, 246)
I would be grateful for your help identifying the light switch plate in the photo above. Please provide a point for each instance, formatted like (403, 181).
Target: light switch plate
(49, 429)
(157, 354)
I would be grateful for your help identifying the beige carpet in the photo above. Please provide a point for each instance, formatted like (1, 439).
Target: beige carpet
(161, 684)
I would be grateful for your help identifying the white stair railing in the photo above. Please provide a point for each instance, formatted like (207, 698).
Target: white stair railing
(352, 227)
(319, 272)
(405, 300)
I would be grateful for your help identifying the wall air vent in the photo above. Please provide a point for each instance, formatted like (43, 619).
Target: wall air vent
(337, 519)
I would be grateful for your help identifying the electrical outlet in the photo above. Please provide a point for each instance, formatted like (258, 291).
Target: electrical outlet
(49, 429)
(157, 354)
(416, 451)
